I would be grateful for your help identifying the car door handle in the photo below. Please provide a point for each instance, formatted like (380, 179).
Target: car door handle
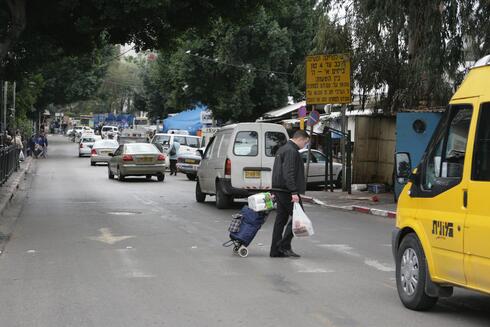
(465, 198)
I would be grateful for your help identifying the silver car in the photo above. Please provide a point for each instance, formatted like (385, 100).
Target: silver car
(137, 159)
(101, 151)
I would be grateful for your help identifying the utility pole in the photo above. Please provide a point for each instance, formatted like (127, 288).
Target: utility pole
(343, 144)
(13, 106)
(5, 94)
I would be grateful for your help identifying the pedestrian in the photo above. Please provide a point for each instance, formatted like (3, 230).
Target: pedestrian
(19, 145)
(173, 154)
(44, 145)
(288, 174)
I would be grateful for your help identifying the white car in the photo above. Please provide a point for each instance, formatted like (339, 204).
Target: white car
(106, 130)
(101, 151)
(238, 161)
(316, 174)
(86, 144)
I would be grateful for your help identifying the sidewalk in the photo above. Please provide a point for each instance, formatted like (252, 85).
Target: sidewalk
(375, 204)
(7, 190)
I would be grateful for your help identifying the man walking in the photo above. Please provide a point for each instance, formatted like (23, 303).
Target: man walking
(174, 155)
(288, 174)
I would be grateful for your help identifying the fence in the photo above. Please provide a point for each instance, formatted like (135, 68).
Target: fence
(9, 162)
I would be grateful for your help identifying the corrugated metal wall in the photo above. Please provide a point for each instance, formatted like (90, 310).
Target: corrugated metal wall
(374, 148)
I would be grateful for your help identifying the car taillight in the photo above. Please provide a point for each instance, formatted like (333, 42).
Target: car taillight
(127, 157)
(228, 167)
(161, 157)
(93, 152)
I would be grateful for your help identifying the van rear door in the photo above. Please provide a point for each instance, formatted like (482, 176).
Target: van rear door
(246, 159)
(274, 137)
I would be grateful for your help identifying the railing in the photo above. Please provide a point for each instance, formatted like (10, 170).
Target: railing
(9, 162)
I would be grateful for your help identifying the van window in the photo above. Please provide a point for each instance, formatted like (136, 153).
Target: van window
(209, 148)
(246, 144)
(481, 156)
(223, 148)
(447, 158)
(273, 141)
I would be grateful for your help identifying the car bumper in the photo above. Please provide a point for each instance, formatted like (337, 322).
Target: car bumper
(100, 158)
(395, 240)
(84, 152)
(187, 169)
(135, 170)
(228, 189)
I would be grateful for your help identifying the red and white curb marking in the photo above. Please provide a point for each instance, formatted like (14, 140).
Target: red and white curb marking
(356, 208)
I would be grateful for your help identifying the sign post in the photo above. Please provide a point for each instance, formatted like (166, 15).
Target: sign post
(313, 119)
(328, 82)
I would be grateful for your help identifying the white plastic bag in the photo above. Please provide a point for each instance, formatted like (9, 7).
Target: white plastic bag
(302, 226)
(21, 156)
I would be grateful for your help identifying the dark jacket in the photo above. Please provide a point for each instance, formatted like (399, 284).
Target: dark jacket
(289, 170)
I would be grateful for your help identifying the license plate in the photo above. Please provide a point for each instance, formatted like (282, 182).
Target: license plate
(252, 174)
(146, 159)
(190, 161)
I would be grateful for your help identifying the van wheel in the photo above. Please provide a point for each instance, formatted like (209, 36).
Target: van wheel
(200, 196)
(191, 177)
(223, 201)
(109, 173)
(411, 274)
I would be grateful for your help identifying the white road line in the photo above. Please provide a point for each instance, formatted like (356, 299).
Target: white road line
(107, 237)
(305, 267)
(341, 248)
(131, 269)
(378, 265)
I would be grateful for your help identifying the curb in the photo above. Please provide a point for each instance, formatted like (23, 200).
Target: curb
(366, 210)
(14, 185)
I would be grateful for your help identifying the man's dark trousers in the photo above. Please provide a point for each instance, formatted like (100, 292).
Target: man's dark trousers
(283, 212)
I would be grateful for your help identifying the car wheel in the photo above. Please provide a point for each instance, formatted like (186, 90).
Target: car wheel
(411, 268)
(191, 177)
(92, 163)
(161, 177)
(200, 196)
(148, 177)
(223, 201)
(109, 172)
(120, 176)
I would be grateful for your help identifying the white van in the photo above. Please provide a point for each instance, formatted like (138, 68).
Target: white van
(189, 144)
(108, 129)
(239, 160)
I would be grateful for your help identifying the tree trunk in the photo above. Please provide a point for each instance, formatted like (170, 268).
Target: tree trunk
(15, 27)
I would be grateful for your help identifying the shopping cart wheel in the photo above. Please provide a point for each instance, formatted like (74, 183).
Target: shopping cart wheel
(235, 249)
(243, 252)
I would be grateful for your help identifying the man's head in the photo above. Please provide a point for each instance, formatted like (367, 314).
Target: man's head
(300, 138)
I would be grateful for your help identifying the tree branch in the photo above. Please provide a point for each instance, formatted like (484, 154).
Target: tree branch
(16, 27)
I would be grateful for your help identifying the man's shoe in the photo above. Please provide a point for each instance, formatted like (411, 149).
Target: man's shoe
(292, 254)
(279, 254)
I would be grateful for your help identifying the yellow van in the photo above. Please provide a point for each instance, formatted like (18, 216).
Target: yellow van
(442, 235)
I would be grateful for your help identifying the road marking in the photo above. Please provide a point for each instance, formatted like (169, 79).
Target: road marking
(378, 265)
(131, 267)
(107, 237)
(146, 202)
(341, 248)
(31, 251)
(309, 269)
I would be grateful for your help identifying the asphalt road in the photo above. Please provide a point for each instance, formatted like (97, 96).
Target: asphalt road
(89, 251)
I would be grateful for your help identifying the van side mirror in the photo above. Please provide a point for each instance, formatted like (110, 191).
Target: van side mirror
(403, 167)
(110, 154)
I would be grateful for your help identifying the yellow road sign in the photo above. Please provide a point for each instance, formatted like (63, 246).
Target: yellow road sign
(328, 79)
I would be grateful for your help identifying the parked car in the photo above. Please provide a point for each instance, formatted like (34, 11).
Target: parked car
(188, 143)
(137, 159)
(107, 130)
(239, 160)
(316, 174)
(86, 144)
(188, 164)
(101, 151)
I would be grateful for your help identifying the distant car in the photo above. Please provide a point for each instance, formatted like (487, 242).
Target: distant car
(188, 163)
(316, 174)
(85, 146)
(101, 151)
(137, 159)
(106, 130)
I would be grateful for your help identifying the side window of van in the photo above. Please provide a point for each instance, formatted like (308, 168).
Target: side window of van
(446, 160)
(216, 145)
(246, 144)
(273, 141)
(209, 148)
(481, 153)
(223, 148)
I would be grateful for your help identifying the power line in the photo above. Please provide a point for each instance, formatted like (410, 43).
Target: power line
(247, 67)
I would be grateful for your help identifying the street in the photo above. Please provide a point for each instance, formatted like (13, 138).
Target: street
(89, 251)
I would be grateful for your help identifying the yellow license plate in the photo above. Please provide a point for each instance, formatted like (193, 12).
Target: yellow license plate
(190, 161)
(146, 159)
(252, 174)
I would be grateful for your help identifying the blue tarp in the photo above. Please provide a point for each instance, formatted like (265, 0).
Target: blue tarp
(189, 120)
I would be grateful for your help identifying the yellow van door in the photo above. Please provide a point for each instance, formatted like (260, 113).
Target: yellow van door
(440, 190)
(477, 228)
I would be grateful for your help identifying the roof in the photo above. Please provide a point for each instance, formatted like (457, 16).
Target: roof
(283, 111)
(476, 81)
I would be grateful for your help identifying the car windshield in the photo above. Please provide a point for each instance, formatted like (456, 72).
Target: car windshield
(105, 129)
(88, 140)
(162, 139)
(106, 144)
(192, 142)
(137, 148)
